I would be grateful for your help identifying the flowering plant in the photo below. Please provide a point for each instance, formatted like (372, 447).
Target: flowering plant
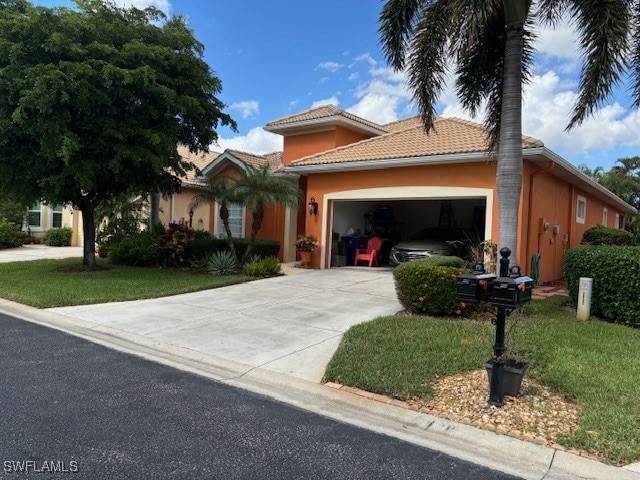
(306, 243)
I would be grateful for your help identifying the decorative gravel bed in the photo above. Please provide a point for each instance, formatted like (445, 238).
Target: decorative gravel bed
(538, 414)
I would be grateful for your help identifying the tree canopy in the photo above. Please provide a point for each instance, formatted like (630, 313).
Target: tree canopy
(94, 102)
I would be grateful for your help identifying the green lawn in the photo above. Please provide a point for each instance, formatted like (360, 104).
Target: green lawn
(55, 283)
(596, 364)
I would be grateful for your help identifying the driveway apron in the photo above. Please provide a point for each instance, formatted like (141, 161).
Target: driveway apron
(290, 324)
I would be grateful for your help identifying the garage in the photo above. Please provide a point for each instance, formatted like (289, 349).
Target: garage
(354, 220)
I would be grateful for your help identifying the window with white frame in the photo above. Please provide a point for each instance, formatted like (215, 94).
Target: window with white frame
(56, 216)
(605, 216)
(236, 221)
(581, 209)
(34, 215)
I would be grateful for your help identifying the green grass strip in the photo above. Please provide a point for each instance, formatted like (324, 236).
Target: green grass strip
(596, 364)
(56, 283)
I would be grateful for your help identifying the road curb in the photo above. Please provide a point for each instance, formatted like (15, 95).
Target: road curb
(499, 452)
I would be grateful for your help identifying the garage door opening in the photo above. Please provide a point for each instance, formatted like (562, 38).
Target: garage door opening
(450, 220)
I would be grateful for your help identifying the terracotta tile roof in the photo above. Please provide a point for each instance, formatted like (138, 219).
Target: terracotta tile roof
(272, 160)
(318, 113)
(403, 124)
(450, 136)
(200, 160)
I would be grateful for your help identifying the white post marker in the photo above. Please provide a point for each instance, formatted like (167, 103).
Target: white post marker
(584, 298)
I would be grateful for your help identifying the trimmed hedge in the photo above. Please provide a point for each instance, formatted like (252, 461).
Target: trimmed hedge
(59, 237)
(202, 247)
(601, 235)
(616, 280)
(429, 286)
(140, 250)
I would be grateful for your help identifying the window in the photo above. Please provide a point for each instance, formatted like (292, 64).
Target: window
(34, 215)
(236, 221)
(56, 216)
(581, 209)
(619, 221)
(605, 217)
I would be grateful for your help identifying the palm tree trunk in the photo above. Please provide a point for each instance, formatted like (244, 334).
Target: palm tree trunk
(509, 172)
(258, 217)
(224, 216)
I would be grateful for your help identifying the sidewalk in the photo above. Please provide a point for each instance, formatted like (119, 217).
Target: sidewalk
(275, 336)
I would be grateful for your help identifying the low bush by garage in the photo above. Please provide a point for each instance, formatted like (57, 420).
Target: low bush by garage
(59, 237)
(428, 286)
(615, 271)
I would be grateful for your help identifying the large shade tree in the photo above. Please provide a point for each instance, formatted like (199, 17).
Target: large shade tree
(489, 43)
(94, 102)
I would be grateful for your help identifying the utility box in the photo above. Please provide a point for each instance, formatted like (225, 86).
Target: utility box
(475, 286)
(512, 292)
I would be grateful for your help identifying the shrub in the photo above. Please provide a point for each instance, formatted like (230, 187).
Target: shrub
(59, 237)
(139, 250)
(202, 247)
(266, 267)
(10, 236)
(429, 286)
(173, 243)
(616, 280)
(222, 263)
(601, 235)
(116, 229)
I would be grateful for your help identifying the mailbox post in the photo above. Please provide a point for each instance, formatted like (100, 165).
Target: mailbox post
(506, 293)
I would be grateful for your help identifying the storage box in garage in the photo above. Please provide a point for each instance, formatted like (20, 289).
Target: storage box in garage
(338, 260)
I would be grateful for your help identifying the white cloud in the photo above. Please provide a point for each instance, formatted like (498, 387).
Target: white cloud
(247, 108)
(353, 77)
(376, 108)
(162, 5)
(333, 100)
(364, 58)
(329, 66)
(257, 141)
(323, 80)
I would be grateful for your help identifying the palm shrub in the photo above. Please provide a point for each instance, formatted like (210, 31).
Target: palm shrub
(429, 286)
(200, 248)
(265, 267)
(222, 263)
(616, 280)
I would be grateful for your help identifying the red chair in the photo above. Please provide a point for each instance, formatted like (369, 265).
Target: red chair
(369, 254)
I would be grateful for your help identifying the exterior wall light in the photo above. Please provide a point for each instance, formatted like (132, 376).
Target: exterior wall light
(313, 206)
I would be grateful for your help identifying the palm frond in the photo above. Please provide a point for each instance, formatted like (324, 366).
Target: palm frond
(428, 58)
(397, 21)
(603, 29)
(635, 52)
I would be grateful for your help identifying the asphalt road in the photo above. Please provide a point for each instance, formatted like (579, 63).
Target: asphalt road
(73, 409)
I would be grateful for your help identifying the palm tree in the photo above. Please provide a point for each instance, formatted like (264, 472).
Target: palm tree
(489, 43)
(595, 173)
(220, 191)
(259, 188)
(256, 189)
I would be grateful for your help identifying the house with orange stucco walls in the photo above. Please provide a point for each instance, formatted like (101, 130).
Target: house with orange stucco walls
(360, 173)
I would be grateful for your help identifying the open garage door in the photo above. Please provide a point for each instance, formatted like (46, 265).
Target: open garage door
(396, 221)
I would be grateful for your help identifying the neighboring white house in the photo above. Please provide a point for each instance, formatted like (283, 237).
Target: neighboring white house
(41, 217)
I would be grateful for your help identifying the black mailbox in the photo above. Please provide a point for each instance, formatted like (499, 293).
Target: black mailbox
(512, 292)
(476, 286)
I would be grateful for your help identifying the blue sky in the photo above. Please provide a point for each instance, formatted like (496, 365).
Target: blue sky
(277, 57)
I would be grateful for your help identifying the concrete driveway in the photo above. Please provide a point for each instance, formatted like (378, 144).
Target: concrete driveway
(289, 324)
(38, 252)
